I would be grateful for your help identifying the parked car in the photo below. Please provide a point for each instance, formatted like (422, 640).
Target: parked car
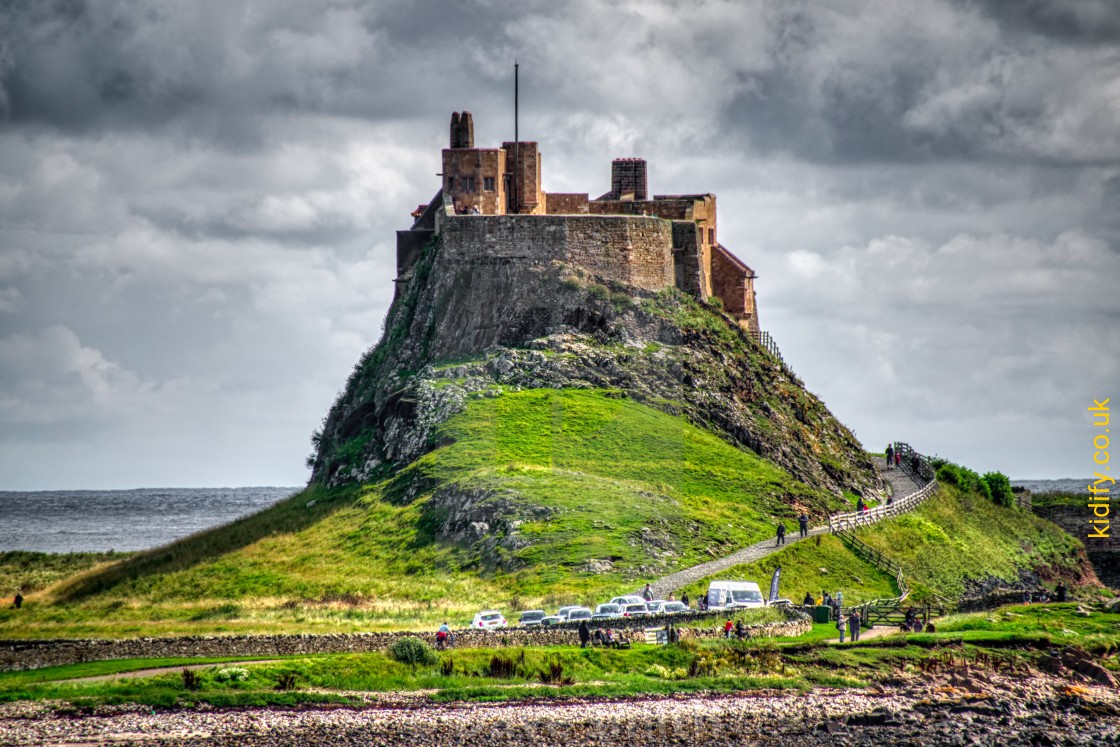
(628, 599)
(732, 594)
(563, 612)
(550, 620)
(635, 610)
(578, 614)
(654, 607)
(674, 608)
(607, 612)
(783, 602)
(531, 618)
(488, 620)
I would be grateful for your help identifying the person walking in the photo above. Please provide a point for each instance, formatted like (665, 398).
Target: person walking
(584, 634)
(803, 523)
(853, 625)
(842, 626)
(18, 601)
(1060, 592)
(684, 599)
(727, 627)
(781, 534)
(647, 593)
(890, 456)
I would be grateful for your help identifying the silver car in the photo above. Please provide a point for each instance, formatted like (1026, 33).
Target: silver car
(607, 612)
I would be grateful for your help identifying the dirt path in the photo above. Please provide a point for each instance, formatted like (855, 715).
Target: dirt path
(162, 670)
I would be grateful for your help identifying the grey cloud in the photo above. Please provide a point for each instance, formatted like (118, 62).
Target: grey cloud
(1072, 21)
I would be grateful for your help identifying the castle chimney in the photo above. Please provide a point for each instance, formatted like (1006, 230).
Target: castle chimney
(455, 129)
(466, 130)
(628, 179)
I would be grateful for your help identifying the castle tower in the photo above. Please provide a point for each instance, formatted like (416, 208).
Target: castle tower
(628, 179)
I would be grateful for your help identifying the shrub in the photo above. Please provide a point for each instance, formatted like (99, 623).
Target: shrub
(286, 681)
(1000, 488)
(412, 651)
(232, 674)
(600, 292)
(502, 667)
(192, 680)
(554, 674)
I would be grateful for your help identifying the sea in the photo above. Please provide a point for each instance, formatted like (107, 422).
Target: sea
(62, 521)
(1067, 485)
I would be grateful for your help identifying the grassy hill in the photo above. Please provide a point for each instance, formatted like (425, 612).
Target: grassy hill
(591, 476)
(565, 478)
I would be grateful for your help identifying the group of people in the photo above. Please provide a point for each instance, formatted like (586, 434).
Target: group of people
(737, 628)
(802, 525)
(605, 637)
(464, 210)
(1043, 597)
(851, 623)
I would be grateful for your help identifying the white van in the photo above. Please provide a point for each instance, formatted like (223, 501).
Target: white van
(732, 594)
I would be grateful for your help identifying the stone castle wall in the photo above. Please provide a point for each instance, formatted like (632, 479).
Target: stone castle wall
(633, 249)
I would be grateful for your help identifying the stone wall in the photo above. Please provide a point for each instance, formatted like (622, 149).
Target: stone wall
(35, 654)
(1104, 553)
(1075, 520)
(566, 203)
(633, 249)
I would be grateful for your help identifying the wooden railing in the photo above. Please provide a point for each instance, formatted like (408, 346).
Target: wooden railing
(888, 610)
(919, 469)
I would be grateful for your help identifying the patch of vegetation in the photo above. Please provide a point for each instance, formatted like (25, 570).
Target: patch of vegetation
(959, 538)
(28, 572)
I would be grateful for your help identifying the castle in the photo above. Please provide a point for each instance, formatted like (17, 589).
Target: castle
(492, 210)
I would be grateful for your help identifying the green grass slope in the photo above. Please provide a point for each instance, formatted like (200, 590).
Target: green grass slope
(559, 478)
(596, 476)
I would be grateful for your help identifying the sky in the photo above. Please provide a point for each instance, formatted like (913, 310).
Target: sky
(198, 203)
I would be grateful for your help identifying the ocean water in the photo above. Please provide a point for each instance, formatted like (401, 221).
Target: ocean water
(102, 520)
(1068, 485)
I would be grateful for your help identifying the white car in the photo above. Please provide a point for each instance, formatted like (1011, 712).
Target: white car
(635, 610)
(628, 599)
(674, 608)
(488, 620)
(578, 614)
(654, 607)
(562, 613)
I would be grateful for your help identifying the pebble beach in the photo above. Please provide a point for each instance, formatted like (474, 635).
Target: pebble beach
(978, 709)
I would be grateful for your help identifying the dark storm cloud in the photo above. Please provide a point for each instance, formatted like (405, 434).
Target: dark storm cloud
(216, 67)
(1072, 21)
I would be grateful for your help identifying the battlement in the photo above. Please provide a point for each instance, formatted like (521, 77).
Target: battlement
(491, 208)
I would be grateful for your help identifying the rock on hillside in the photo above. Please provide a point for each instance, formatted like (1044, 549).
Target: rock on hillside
(458, 330)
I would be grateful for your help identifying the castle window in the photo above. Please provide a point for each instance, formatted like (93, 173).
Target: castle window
(711, 235)
(468, 183)
(488, 183)
(450, 184)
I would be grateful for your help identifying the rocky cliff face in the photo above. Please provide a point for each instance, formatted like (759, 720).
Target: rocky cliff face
(463, 328)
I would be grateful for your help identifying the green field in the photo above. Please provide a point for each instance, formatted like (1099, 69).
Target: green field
(1012, 637)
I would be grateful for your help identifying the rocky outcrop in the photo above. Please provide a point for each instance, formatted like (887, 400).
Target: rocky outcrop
(526, 324)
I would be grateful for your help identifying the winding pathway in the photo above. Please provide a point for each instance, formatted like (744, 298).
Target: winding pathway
(906, 490)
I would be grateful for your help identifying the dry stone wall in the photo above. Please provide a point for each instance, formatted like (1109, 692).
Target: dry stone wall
(35, 654)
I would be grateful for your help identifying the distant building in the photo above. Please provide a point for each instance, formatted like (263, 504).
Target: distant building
(491, 203)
